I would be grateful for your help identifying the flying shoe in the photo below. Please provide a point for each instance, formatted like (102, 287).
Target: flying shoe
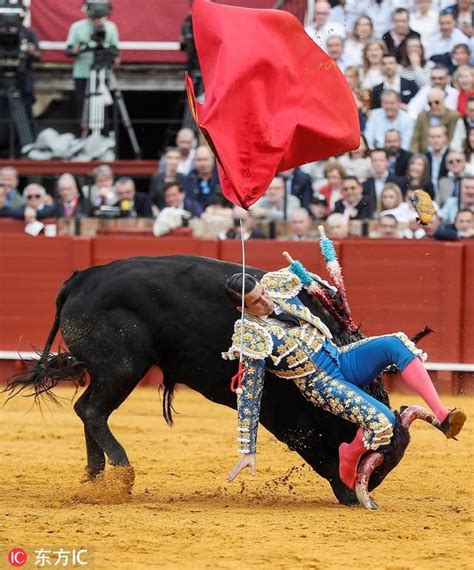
(424, 206)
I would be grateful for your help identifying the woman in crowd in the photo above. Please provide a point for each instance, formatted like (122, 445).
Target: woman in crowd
(418, 175)
(414, 66)
(361, 96)
(390, 199)
(463, 80)
(354, 47)
(333, 173)
(469, 151)
(372, 63)
(406, 215)
(357, 162)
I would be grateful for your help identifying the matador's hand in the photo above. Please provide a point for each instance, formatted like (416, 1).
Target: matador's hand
(248, 460)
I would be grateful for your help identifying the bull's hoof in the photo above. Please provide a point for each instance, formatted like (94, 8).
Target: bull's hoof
(121, 479)
(90, 475)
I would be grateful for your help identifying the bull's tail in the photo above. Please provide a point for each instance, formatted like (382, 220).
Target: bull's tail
(49, 369)
(169, 388)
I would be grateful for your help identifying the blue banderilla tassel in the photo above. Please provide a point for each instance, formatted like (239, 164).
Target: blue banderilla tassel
(297, 268)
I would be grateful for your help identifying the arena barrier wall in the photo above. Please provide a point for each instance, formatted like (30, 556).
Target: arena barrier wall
(391, 286)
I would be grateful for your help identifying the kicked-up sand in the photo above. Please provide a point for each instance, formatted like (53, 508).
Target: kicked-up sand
(183, 513)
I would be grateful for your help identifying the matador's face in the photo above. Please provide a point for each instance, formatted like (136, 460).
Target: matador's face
(258, 302)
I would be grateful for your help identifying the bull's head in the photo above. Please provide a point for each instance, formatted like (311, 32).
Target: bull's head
(375, 465)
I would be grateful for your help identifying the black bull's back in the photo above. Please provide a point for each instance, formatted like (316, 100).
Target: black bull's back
(122, 318)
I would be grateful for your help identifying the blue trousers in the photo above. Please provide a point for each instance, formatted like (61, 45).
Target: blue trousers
(350, 368)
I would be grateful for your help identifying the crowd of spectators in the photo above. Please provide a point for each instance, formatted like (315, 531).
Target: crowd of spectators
(409, 65)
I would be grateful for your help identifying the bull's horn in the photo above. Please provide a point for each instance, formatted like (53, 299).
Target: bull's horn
(412, 413)
(365, 470)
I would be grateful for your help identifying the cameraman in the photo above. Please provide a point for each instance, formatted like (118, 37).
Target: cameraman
(27, 52)
(86, 37)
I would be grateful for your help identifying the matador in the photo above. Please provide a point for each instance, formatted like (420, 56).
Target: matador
(281, 335)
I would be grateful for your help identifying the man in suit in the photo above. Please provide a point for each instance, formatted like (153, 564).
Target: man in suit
(460, 55)
(373, 186)
(70, 203)
(463, 227)
(353, 204)
(406, 88)
(298, 184)
(202, 183)
(396, 38)
(398, 158)
(131, 204)
(437, 115)
(437, 152)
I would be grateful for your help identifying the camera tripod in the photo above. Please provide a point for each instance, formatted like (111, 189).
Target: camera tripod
(100, 84)
(18, 119)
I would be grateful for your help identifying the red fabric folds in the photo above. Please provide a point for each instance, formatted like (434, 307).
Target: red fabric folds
(274, 100)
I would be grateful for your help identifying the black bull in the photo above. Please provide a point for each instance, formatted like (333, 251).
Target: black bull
(120, 319)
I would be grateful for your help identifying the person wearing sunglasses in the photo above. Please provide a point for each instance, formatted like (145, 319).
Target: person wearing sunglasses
(438, 114)
(37, 205)
(450, 185)
(439, 77)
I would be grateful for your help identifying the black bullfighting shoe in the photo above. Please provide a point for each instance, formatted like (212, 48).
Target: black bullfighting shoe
(453, 422)
(424, 206)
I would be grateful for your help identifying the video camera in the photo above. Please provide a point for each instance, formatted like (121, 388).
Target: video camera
(104, 57)
(98, 8)
(12, 48)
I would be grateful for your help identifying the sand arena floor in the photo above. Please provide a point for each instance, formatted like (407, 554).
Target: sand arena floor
(183, 514)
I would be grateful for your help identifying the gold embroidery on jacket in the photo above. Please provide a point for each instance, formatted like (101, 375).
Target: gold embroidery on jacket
(281, 284)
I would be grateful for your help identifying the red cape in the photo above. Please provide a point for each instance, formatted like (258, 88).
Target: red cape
(274, 100)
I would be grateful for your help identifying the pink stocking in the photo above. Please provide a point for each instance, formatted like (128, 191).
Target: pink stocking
(349, 456)
(417, 377)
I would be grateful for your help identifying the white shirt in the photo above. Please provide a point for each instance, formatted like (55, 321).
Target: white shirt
(379, 184)
(427, 26)
(436, 161)
(372, 78)
(378, 124)
(354, 52)
(439, 44)
(320, 36)
(404, 213)
(396, 84)
(186, 165)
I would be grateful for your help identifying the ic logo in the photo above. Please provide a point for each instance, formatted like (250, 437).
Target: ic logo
(17, 557)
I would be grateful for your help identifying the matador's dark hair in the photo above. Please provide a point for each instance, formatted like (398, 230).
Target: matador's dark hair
(233, 287)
